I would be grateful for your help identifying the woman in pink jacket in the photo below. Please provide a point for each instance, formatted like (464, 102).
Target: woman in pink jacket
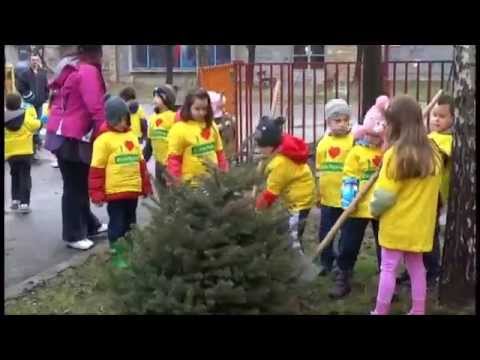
(76, 113)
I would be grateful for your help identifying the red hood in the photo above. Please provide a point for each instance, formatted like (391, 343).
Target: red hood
(294, 148)
(104, 128)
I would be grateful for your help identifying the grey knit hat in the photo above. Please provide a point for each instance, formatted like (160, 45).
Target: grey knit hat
(336, 108)
(116, 109)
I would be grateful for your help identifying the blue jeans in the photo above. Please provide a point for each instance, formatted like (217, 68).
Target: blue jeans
(351, 239)
(328, 216)
(122, 214)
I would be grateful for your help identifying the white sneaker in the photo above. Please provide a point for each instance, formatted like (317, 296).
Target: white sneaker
(24, 208)
(15, 204)
(102, 228)
(81, 244)
(54, 164)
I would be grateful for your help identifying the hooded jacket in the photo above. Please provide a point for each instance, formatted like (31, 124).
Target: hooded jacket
(19, 129)
(118, 170)
(77, 108)
(289, 177)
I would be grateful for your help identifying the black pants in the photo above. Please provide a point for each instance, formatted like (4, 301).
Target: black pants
(159, 173)
(351, 239)
(328, 216)
(78, 221)
(21, 179)
(122, 214)
(432, 259)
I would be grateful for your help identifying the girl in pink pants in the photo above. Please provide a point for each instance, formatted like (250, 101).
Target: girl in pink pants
(405, 200)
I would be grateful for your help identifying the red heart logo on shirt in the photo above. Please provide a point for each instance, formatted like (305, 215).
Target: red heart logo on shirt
(206, 133)
(158, 122)
(334, 152)
(129, 145)
(377, 161)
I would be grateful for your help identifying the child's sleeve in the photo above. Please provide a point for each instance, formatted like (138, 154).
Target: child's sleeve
(386, 189)
(351, 167)
(319, 155)
(221, 158)
(146, 184)
(277, 179)
(32, 123)
(176, 148)
(96, 175)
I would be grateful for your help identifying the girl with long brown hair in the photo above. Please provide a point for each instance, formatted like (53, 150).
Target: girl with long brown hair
(195, 140)
(405, 201)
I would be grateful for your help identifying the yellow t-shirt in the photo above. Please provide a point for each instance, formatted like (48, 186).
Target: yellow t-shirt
(197, 145)
(293, 182)
(361, 163)
(20, 142)
(445, 143)
(136, 121)
(330, 157)
(158, 127)
(409, 223)
(120, 155)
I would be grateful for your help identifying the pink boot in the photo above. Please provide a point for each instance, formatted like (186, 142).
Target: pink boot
(418, 307)
(381, 309)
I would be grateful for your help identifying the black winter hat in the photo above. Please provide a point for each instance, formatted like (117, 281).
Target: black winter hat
(116, 109)
(269, 131)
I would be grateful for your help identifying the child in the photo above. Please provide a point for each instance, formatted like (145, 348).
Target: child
(441, 123)
(361, 163)
(195, 140)
(224, 121)
(288, 175)
(137, 115)
(405, 201)
(20, 126)
(118, 173)
(159, 125)
(331, 153)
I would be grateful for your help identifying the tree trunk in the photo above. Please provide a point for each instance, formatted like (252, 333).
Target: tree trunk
(251, 63)
(372, 77)
(202, 58)
(457, 282)
(169, 64)
(358, 67)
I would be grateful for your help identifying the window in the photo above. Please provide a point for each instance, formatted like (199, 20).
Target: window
(184, 56)
(302, 53)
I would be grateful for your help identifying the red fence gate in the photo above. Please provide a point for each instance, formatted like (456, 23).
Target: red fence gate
(305, 90)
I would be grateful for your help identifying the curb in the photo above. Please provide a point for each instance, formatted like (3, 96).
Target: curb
(29, 284)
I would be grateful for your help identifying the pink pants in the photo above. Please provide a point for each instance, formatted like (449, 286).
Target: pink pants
(386, 286)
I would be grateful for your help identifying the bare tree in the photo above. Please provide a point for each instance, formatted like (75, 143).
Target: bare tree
(202, 58)
(371, 76)
(251, 63)
(457, 282)
(169, 63)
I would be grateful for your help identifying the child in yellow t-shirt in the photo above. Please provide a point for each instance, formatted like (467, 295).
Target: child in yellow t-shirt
(159, 125)
(441, 122)
(332, 150)
(20, 126)
(195, 140)
(138, 120)
(405, 200)
(362, 162)
(288, 176)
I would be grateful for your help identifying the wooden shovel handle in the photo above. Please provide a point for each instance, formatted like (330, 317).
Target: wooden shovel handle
(346, 213)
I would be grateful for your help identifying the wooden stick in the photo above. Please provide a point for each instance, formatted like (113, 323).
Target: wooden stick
(432, 103)
(346, 213)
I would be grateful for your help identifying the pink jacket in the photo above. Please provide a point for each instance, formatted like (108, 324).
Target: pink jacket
(78, 105)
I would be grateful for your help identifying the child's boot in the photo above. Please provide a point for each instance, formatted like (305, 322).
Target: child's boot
(418, 307)
(118, 260)
(342, 285)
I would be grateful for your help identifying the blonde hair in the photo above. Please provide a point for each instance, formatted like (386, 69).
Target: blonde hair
(415, 154)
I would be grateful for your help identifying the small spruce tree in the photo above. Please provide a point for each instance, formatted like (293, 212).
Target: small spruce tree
(207, 251)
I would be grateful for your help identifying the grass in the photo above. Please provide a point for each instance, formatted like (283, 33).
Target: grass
(82, 290)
